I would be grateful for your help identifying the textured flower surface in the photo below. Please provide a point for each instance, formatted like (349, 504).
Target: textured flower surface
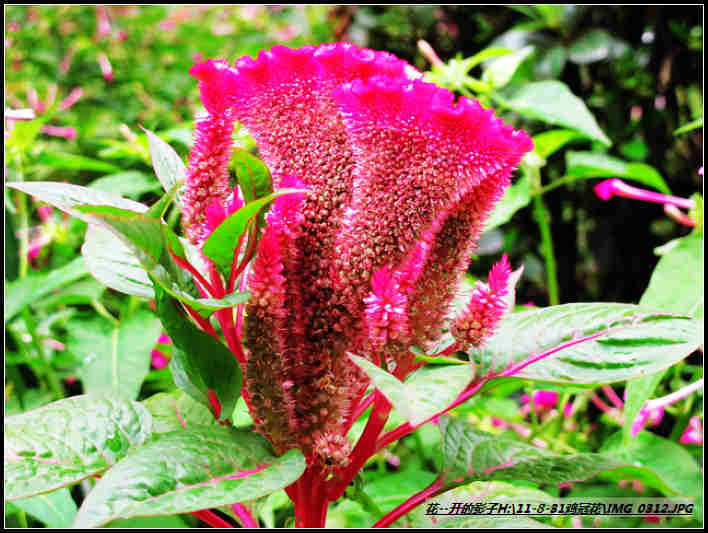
(400, 179)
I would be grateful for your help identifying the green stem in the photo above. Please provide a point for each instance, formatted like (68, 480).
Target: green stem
(49, 374)
(22, 519)
(543, 219)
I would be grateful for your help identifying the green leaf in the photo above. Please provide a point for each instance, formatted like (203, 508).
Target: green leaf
(115, 357)
(252, 174)
(554, 103)
(516, 197)
(597, 165)
(220, 246)
(84, 291)
(637, 391)
(200, 363)
(168, 165)
(591, 343)
(69, 440)
(674, 470)
(596, 45)
(176, 410)
(473, 455)
(547, 143)
(28, 290)
(490, 491)
(67, 197)
(114, 264)
(676, 285)
(150, 522)
(75, 162)
(55, 509)
(189, 470)
(131, 183)
(424, 393)
(500, 71)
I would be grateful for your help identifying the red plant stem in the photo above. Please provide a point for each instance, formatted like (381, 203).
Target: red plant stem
(365, 447)
(412, 502)
(234, 267)
(600, 404)
(202, 322)
(244, 516)
(212, 519)
(246, 258)
(612, 395)
(194, 272)
(361, 408)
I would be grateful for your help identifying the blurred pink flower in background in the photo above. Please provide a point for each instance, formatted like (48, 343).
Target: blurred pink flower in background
(694, 432)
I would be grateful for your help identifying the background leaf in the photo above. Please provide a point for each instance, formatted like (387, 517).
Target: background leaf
(54, 509)
(115, 357)
(168, 165)
(596, 165)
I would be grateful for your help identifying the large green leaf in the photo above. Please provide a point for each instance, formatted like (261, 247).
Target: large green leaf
(54, 509)
(115, 357)
(590, 343)
(473, 455)
(189, 470)
(597, 165)
(220, 246)
(201, 365)
(167, 163)
(554, 103)
(114, 264)
(499, 71)
(28, 290)
(176, 410)
(424, 393)
(69, 440)
(67, 197)
(547, 143)
(676, 285)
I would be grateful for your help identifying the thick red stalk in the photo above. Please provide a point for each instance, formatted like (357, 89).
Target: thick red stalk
(244, 516)
(212, 519)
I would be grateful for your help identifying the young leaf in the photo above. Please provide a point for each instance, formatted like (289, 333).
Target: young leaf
(473, 455)
(253, 175)
(424, 393)
(552, 102)
(189, 470)
(201, 365)
(220, 246)
(69, 440)
(168, 165)
(589, 343)
(130, 183)
(596, 165)
(115, 357)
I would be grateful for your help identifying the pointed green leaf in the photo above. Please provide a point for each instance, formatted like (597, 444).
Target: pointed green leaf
(220, 246)
(115, 357)
(168, 165)
(200, 364)
(597, 165)
(424, 393)
(69, 440)
(189, 470)
(547, 143)
(590, 343)
(253, 175)
(552, 102)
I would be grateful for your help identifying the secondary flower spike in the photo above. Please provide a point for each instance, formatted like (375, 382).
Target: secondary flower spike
(400, 179)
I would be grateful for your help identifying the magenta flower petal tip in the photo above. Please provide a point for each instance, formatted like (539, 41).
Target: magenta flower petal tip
(694, 432)
(605, 189)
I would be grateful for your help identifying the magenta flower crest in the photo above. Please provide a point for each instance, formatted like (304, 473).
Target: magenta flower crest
(400, 179)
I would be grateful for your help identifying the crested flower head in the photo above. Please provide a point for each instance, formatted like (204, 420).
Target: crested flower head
(400, 179)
